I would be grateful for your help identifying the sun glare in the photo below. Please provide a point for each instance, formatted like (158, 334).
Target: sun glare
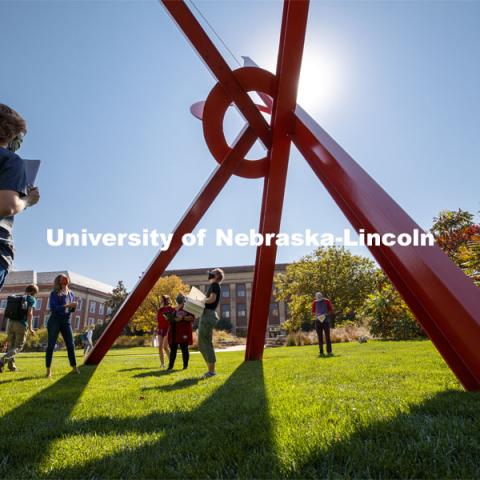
(319, 81)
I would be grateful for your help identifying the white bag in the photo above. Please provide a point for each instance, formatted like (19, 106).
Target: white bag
(321, 318)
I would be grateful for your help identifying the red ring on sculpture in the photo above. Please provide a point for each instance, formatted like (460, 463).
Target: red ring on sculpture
(252, 79)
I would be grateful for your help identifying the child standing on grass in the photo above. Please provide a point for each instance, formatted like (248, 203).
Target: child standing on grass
(17, 329)
(180, 333)
(208, 320)
(163, 326)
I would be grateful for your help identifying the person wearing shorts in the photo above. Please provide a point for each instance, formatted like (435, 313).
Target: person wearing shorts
(163, 324)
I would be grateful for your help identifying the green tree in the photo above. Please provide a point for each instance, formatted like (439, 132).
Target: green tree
(145, 319)
(119, 294)
(344, 278)
(388, 315)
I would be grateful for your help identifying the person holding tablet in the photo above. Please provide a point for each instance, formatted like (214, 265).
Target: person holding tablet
(15, 193)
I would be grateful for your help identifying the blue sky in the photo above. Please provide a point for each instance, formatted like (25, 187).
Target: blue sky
(106, 89)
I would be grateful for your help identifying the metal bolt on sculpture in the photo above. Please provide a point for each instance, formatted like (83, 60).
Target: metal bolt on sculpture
(444, 300)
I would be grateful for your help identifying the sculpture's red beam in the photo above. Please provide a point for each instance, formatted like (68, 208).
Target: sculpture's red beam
(444, 300)
(289, 61)
(187, 224)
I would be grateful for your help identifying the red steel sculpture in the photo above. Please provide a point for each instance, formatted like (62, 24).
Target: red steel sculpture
(444, 300)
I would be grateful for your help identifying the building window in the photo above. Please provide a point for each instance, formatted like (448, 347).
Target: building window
(225, 289)
(91, 321)
(3, 303)
(101, 309)
(77, 323)
(241, 290)
(241, 314)
(79, 304)
(39, 304)
(274, 313)
(45, 320)
(36, 321)
(109, 310)
(225, 310)
(93, 306)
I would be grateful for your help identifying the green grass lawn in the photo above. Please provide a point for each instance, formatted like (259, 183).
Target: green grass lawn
(383, 410)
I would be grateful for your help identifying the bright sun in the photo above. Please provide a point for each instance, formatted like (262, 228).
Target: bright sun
(319, 81)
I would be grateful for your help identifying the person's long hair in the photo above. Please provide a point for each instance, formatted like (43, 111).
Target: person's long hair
(58, 285)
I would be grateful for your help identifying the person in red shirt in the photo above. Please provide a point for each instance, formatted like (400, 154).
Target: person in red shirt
(322, 309)
(180, 333)
(163, 326)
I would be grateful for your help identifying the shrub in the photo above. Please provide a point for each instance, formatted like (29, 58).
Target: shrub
(389, 317)
(224, 324)
(125, 341)
(347, 333)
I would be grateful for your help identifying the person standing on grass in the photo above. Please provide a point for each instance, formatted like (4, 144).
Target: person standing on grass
(15, 193)
(163, 325)
(180, 333)
(17, 329)
(87, 340)
(322, 309)
(61, 305)
(208, 321)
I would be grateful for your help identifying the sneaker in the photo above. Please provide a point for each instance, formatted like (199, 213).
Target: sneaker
(12, 367)
(321, 354)
(1, 366)
(209, 374)
(330, 354)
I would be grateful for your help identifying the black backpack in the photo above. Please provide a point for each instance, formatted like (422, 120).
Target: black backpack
(16, 307)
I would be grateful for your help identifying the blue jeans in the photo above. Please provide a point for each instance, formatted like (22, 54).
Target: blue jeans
(55, 326)
(3, 275)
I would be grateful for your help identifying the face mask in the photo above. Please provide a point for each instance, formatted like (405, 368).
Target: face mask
(16, 143)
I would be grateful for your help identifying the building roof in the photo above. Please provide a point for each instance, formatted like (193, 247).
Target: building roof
(234, 269)
(25, 277)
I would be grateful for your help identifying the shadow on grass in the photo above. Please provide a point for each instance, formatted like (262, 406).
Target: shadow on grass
(227, 436)
(28, 430)
(185, 383)
(16, 379)
(439, 438)
(135, 369)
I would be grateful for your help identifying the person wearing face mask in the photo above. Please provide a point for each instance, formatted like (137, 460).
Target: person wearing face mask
(61, 306)
(15, 193)
(208, 321)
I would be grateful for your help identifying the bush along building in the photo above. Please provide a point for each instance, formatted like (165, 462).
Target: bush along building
(91, 295)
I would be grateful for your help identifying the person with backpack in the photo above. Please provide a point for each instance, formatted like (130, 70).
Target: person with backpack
(180, 333)
(15, 193)
(322, 309)
(61, 305)
(19, 311)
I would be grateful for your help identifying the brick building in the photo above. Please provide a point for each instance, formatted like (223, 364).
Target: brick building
(90, 294)
(236, 291)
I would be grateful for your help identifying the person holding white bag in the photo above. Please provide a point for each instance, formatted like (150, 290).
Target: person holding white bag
(322, 309)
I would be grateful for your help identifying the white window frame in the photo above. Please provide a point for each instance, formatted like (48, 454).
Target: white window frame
(93, 304)
(77, 322)
(101, 309)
